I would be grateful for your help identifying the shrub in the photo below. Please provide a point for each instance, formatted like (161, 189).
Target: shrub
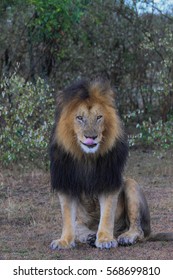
(26, 117)
(153, 135)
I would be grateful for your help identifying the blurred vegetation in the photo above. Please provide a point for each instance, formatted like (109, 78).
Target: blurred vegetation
(45, 45)
(27, 111)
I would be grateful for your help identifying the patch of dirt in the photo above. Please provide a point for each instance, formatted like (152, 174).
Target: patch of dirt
(30, 215)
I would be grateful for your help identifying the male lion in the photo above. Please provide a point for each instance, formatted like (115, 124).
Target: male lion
(88, 153)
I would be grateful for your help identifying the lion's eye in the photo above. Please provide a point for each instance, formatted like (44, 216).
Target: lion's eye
(99, 117)
(79, 118)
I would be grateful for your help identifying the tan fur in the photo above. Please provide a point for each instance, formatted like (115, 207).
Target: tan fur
(105, 231)
(112, 220)
(104, 216)
(67, 130)
(133, 198)
(68, 209)
(131, 221)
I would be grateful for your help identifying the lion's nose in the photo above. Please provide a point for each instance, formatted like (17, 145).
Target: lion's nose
(91, 137)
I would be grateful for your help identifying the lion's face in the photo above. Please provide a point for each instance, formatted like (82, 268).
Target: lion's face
(89, 124)
(89, 127)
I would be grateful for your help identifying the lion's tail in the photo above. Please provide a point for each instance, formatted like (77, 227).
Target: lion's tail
(162, 236)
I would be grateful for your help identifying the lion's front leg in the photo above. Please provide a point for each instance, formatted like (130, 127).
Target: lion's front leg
(105, 238)
(68, 209)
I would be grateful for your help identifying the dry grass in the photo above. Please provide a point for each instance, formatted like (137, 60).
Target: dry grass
(30, 216)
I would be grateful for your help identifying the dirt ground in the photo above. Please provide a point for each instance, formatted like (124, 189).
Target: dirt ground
(30, 215)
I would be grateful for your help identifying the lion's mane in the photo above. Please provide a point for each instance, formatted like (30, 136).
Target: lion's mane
(72, 171)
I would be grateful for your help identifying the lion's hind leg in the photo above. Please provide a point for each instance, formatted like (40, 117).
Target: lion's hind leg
(135, 208)
(87, 220)
(83, 233)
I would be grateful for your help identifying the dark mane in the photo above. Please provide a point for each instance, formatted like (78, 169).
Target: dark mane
(79, 89)
(90, 176)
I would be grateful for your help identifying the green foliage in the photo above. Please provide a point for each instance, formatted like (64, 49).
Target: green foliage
(153, 135)
(54, 17)
(26, 117)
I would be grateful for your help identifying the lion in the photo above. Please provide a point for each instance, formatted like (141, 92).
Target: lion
(88, 153)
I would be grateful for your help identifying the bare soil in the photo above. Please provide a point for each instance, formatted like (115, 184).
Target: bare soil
(30, 216)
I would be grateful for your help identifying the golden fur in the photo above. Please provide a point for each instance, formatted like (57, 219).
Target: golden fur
(68, 129)
(88, 153)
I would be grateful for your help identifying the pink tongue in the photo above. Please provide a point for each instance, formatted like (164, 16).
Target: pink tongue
(89, 141)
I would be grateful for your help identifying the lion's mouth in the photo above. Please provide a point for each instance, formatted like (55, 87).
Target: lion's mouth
(90, 146)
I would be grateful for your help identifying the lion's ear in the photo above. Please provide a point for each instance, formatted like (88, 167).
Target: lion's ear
(109, 90)
(104, 87)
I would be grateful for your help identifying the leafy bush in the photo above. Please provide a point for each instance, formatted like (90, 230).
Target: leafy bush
(153, 135)
(53, 18)
(26, 117)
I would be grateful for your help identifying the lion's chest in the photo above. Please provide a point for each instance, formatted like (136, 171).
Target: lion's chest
(89, 177)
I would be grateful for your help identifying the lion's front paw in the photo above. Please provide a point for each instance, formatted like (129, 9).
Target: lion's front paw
(61, 244)
(129, 237)
(105, 242)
